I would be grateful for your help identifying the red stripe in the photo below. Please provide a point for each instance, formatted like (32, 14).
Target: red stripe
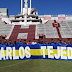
(58, 32)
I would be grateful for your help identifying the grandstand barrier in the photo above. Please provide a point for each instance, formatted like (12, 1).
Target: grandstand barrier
(38, 51)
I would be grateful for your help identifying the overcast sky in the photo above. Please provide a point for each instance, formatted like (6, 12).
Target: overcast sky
(44, 7)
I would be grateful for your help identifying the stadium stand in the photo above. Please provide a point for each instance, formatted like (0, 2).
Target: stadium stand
(30, 32)
(48, 30)
(65, 29)
(5, 29)
(17, 29)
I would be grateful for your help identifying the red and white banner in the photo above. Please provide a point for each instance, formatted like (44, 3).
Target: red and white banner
(47, 18)
(61, 18)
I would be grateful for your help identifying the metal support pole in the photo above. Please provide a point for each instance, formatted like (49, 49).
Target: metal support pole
(26, 11)
(30, 4)
(21, 6)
